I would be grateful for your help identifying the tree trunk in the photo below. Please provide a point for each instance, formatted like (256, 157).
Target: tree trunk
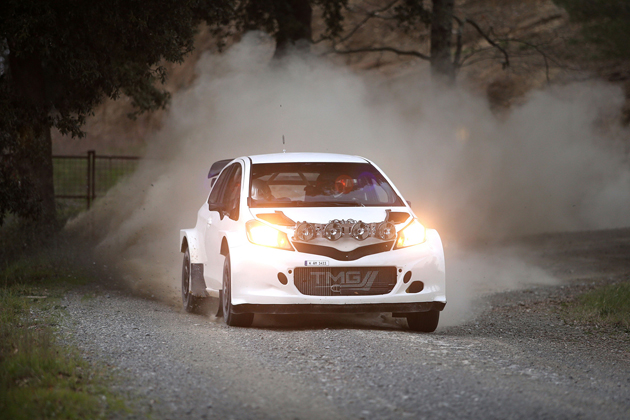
(442, 67)
(28, 79)
(42, 167)
(294, 26)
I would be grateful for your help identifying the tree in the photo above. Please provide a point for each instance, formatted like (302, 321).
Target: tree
(288, 21)
(605, 22)
(60, 58)
(444, 32)
(410, 13)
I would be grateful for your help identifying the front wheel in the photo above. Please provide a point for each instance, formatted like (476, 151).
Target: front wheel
(232, 319)
(423, 321)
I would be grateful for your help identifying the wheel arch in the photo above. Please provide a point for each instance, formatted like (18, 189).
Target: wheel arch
(188, 238)
(225, 249)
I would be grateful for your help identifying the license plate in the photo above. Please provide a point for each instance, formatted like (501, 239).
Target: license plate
(315, 263)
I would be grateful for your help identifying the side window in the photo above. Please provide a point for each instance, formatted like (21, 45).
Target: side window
(232, 197)
(219, 186)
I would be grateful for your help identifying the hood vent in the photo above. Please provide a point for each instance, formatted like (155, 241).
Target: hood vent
(278, 218)
(397, 217)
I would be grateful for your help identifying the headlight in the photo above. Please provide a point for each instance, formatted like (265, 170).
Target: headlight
(413, 234)
(261, 234)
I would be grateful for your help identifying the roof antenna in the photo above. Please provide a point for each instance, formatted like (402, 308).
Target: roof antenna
(283, 149)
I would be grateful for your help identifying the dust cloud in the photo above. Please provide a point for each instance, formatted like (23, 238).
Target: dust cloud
(546, 166)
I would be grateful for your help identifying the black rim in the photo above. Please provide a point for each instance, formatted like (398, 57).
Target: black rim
(185, 277)
(226, 288)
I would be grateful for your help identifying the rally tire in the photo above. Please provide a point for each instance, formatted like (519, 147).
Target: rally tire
(423, 321)
(232, 319)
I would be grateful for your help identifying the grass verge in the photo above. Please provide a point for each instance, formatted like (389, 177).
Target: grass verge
(39, 378)
(604, 307)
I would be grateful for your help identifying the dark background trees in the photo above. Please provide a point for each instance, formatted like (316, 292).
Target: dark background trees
(289, 21)
(60, 58)
(442, 32)
(605, 22)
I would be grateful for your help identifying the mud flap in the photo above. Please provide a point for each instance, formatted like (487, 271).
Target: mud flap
(197, 283)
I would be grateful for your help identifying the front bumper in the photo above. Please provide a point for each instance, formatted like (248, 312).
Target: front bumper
(256, 286)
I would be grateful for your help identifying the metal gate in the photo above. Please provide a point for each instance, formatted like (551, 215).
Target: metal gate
(89, 177)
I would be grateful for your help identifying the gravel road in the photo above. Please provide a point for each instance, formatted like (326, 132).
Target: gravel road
(515, 359)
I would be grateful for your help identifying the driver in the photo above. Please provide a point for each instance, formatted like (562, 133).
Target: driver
(261, 191)
(334, 185)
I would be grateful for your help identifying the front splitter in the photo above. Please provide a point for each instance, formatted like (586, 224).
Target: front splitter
(338, 309)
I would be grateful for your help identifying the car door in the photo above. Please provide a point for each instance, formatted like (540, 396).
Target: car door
(223, 203)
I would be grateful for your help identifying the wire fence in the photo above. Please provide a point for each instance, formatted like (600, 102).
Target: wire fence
(79, 180)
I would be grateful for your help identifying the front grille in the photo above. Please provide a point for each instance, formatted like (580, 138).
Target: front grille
(345, 281)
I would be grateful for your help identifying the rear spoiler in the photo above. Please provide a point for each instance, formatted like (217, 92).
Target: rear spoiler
(217, 167)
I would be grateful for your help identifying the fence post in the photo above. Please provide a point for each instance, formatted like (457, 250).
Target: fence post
(91, 161)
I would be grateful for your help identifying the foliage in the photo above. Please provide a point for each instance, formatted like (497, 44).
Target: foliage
(606, 306)
(429, 20)
(31, 254)
(96, 49)
(38, 377)
(15, 180)
(50, 268)
(605, 22)
(332, 14)
(411, 14)
(59, 59)
(288, 21)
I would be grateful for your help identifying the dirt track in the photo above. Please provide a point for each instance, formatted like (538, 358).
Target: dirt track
(516, 359)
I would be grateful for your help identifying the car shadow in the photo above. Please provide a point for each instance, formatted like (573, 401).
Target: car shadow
(329, 321)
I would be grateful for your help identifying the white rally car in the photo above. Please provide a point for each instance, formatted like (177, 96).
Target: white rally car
(297, 233)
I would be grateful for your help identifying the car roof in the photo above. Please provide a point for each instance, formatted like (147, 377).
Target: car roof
(305, 157)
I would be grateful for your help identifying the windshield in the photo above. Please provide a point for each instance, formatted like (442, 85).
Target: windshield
(320, 185)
